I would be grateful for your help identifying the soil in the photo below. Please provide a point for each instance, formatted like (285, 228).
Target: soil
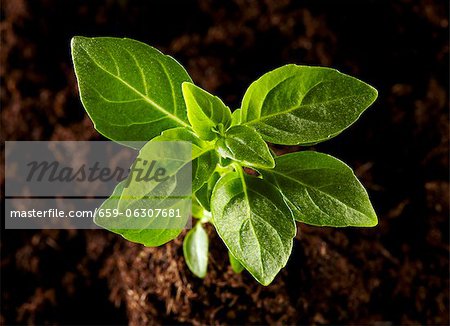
(395, 273)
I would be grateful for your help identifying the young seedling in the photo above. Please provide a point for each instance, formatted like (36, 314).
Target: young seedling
(132, 92)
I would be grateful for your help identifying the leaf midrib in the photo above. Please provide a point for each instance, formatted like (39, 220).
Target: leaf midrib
(300, 106)
(146, 98)
(248, 214)
(317, 189)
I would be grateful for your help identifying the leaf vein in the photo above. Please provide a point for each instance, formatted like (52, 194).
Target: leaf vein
(146, 98)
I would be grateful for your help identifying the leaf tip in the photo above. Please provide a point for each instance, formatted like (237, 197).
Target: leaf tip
(265, 281)
(186, 86)
(76, 41)
(374, 94)
(271, 162)
(370, 221)
(373, 221)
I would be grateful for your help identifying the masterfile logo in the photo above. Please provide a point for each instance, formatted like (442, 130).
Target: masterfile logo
(65, 185)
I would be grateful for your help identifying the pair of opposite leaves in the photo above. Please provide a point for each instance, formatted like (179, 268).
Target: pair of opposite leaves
(133, 92)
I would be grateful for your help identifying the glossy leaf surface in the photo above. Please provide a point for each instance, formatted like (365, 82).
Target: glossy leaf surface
(321, 190)
(255, 223)
(244, 145)
(131, 91)
(205, 111)
(302, 105)
(195, 250)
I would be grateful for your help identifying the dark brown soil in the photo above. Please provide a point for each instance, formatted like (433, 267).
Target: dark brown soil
(395, 273)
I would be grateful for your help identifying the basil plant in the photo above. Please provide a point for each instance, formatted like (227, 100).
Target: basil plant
(253, 198)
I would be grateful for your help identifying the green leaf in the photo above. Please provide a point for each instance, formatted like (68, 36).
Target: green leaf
(204, 156)
(205, 111)
(235, 264)
(302, 105)
(244, 145)
(321, 190)
(236, 117)
(197, 209)
(203, 195)
(141, 194)
(254, 222)
(180, 153)
(195, 250)
(106, 218)
(131, 91)
(173, 158)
